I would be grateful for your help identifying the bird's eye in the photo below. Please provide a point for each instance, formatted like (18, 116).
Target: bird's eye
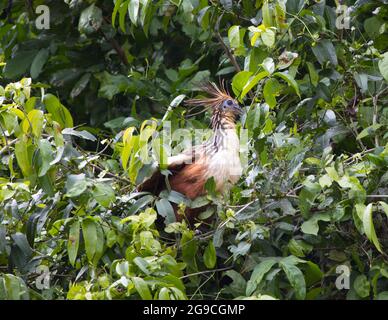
(229, 102)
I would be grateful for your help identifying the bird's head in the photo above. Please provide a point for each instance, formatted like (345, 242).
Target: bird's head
(230, 106)
(219, 100)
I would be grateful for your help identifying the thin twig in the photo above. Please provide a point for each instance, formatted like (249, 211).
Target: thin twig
(109, 174)
(374, 119)
(377, 196)
(223, 45)
(8, 144)
(204, 272)
(120, 52)
(227, 51)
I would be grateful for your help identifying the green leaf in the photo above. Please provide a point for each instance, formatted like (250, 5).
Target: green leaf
(134, 166)
(210, 186)
(38, 63)
(33, 123)
(324, 51)
(203, 17)
(253, 81)
(23, 157)
(142, 264)
(312, 274)
(257, 275)
(110, 85)
(239, 283)
(271, 89)
(307, 197)
(76, 184)
(145, 14)
(164, 294)
(30, 104)
(19, 63)
(253, 117)
(46, 155)
(128, 146)
(383, 66)
(21, 242)
(89, 232)
(382, 295)
(133, 11)
(13, 288)
(99, 244)
(58, 112)
(296, 278)
(255, 36)
(256, 57)
(73, 242)
(81, 134)
(369, 131)
(367, 222)
(239, 81)
(299, 248)
(269, 65)
(372, 26)
(103, 194)
(385, 207)
(209, 256)
(177, 100)
(160, 153)
(90, 20)
(166, 210)
(311, 226)
(203, 200)
(362, 286)
(241, 249)
(314, 77)
(290, 80)
(80, 85)
(362, 81)
(325, 181)
(268, 37)
(267, 16)
(235, 36)
(142, 288)
(115, 10)
(189, 247)
(139, 204)
(123, 9)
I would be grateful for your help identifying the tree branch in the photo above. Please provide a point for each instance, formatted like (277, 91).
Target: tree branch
(224, 46)
(120, 52)
(227, 51)
(207, 271)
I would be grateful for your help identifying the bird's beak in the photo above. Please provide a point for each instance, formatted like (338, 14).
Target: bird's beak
(238, 109)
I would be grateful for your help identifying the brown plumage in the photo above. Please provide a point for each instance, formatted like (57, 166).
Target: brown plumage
(218, 157)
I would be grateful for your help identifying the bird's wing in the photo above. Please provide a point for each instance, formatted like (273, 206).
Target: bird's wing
(157, 181)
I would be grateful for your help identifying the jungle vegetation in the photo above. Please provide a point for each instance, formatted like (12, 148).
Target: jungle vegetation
(75, 98)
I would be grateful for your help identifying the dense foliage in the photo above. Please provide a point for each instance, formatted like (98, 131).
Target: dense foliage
(78, 100)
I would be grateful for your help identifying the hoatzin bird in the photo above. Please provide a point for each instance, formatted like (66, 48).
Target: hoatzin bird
(218, 157)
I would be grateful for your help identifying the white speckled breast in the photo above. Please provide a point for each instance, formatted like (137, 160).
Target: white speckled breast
(224, 164)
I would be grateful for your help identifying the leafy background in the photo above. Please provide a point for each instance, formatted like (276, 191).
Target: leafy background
(74, 100)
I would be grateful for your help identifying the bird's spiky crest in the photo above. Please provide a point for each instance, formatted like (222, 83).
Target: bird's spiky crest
(217, 95)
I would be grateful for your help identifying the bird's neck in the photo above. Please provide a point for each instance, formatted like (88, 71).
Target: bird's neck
(224, 133)
(223, 121)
